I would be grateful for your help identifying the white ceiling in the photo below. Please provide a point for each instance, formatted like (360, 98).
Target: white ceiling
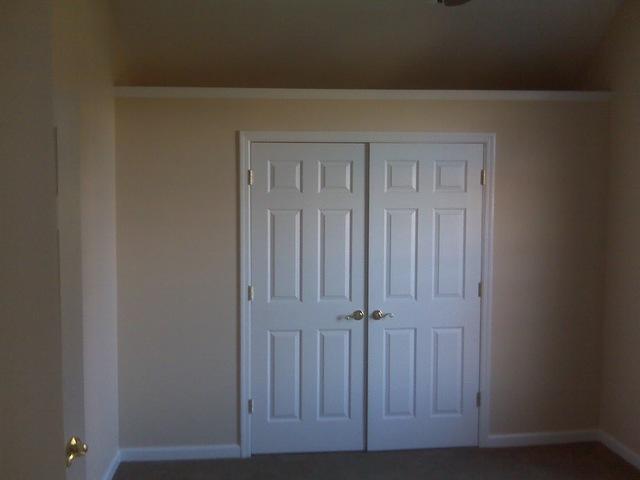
(486, 44)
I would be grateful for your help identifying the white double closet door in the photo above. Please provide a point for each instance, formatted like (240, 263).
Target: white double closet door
(338, 228)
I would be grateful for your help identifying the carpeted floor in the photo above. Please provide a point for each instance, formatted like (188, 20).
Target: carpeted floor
(578, 461)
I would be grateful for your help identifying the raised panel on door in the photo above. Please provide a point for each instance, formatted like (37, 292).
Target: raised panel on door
(425, 204)
(285, 267)
(448, 252)
(399, 372)
(284, 375)
(284, 175)
(307, 264)
(334, 374)
(400, 253)
(335, 255)
(446, 365)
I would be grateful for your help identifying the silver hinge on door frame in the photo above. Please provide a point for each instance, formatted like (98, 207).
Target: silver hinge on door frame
(250, 406)
(250, 293)
(250, 177)
(478, 399)
(483, 177)
(480, 289)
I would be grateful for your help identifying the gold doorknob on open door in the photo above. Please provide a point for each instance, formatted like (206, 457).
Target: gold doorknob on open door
(75, 448)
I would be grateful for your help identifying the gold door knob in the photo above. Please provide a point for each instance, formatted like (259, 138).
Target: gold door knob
(75, 448)
(379, 315)
(356, 315)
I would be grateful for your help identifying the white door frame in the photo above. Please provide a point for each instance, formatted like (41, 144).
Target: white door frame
(245, 139)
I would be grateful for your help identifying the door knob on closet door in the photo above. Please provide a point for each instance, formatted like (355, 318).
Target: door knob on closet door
(356, 315)
(379, 315)
(75, 448)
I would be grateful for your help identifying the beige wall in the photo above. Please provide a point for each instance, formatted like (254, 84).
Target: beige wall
(618, 68)
(31, 431)
(486, 44)
(177, 213)
(84, 108)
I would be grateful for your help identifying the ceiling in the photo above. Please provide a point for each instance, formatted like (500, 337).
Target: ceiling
(485, 44)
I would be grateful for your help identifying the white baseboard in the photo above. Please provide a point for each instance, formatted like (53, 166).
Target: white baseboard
(540, 438)
(196, 452)
(620, 449)
(113, 466)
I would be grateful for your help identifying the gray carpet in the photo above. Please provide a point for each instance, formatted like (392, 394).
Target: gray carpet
(577, 461)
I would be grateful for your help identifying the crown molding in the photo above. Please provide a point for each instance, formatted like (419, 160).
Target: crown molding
(347, 94)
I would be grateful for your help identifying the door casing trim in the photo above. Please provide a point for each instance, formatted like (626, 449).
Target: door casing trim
(246, 138)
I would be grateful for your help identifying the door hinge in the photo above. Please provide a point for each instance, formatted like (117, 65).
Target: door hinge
(250, 177)
(480, 289)
(250, 293)
(478, 399)
(483, 177)
(250, 406)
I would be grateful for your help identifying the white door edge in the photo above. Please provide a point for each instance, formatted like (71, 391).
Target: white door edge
(246, 138)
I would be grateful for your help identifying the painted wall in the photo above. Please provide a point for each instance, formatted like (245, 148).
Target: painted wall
(489, 44)
(177, 214)
(84, 107)
(31, 439)
(618, 68)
